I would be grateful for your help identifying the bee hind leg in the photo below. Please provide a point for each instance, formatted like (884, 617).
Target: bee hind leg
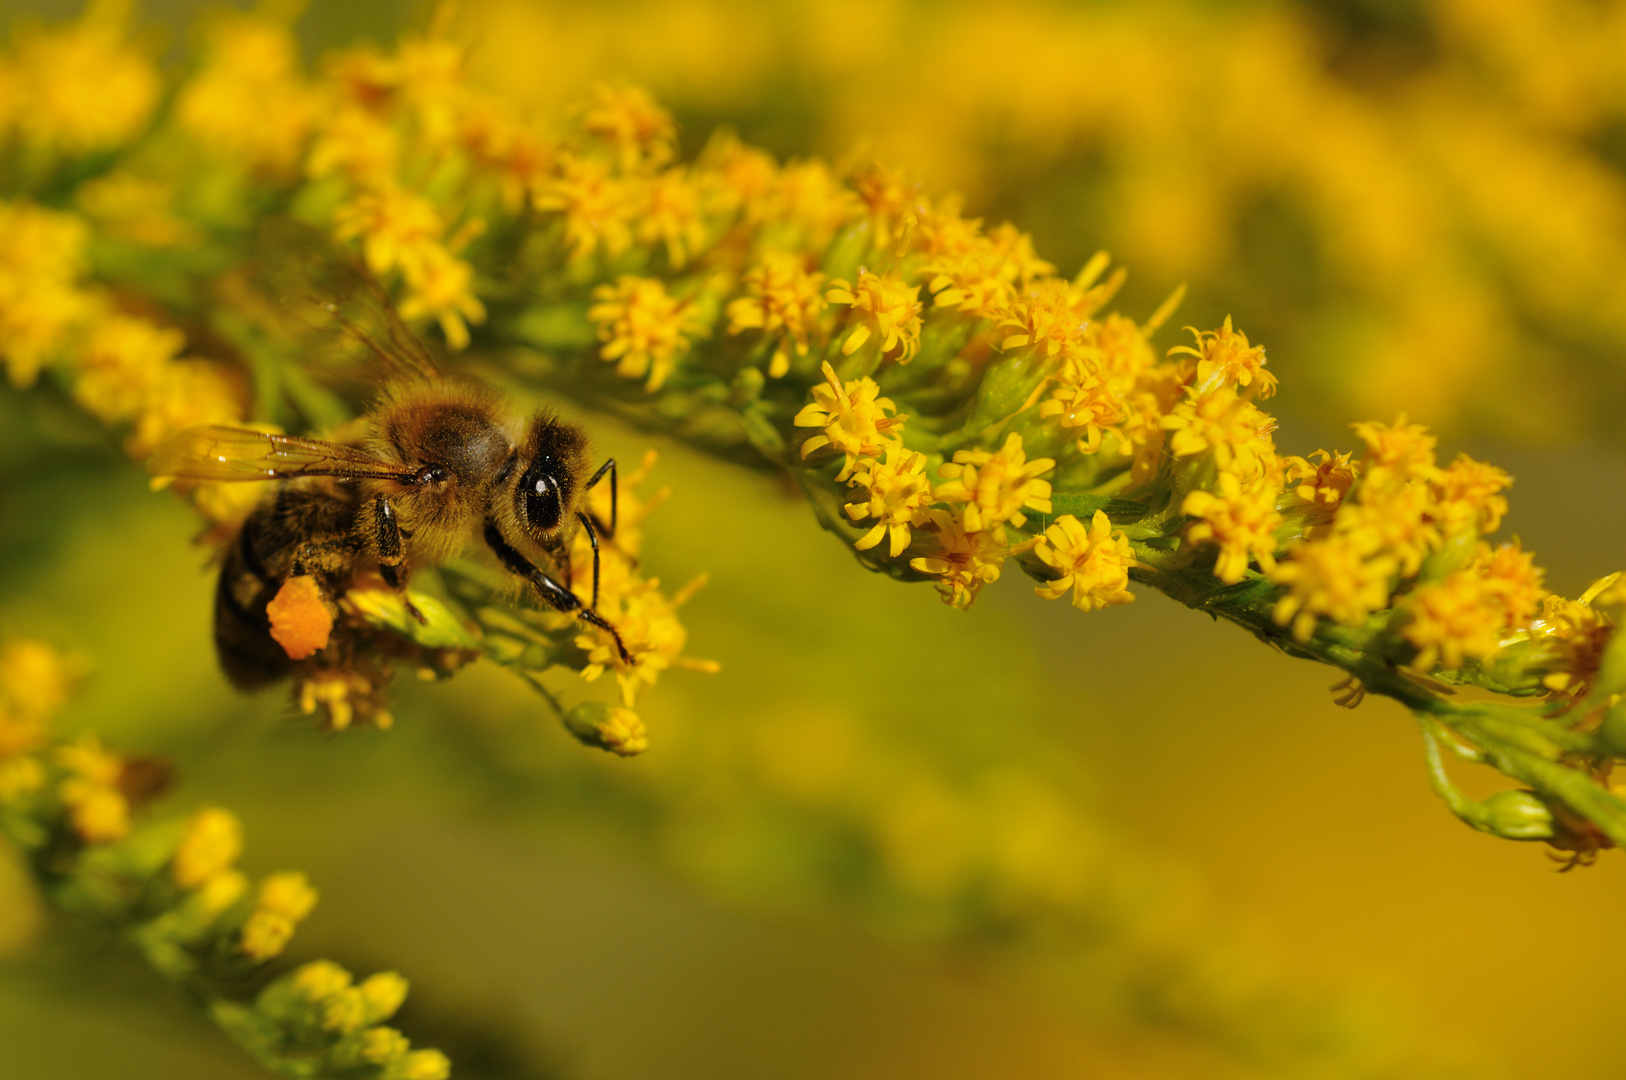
(392, 561)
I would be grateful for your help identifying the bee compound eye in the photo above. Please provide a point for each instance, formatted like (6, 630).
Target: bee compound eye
(542, 505)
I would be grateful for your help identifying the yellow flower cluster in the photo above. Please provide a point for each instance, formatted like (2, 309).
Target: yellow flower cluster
(991, 488)
(80, 88)
(856, 420)
(123, 368)
(86, 782)
(1240, 518)
(250, 67)
(337, 1022)
(35, 682)
(280, 903)
(1578, 631)
(783, 299)
(41, 262)
(645, 330)
(386, 134)
(1498, 106)
(996, 487)
(96, 790)
(1465, 615)
(899, 493)
(204, 867)
(976, 275)
(1400, 510)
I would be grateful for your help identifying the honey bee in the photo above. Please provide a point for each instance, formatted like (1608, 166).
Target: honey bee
(443, 465)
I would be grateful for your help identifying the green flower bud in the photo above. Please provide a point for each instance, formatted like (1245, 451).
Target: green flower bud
(383, 994)
(608, 727)
(372, 1046)
(1516, 814)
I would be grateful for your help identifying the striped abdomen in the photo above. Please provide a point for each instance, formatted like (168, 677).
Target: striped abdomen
(300, 529)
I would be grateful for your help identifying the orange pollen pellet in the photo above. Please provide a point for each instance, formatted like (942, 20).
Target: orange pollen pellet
(300, 622)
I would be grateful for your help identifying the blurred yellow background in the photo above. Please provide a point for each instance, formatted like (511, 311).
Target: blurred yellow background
(1411, 206)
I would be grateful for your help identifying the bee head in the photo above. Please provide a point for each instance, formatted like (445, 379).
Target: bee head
(551, 458)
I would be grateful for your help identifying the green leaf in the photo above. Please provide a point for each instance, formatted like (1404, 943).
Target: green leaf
(1084, 507)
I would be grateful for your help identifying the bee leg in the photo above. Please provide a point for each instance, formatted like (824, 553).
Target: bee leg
(607, 467)
(553, 594)
(592, 538)
(392, 563)
(325, 558)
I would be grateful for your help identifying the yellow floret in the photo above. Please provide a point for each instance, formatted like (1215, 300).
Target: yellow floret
(645, 329)
(884, 307)
(1092, 563)
(213, 840)
(1334, 578)
(899, 493)
(966, 559)
(996, 487)
(854, 416)
(1242, 520)
(782, 299)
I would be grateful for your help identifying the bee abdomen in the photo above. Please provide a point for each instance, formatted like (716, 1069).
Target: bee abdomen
(249, 655)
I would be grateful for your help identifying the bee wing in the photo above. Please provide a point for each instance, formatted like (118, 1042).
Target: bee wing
(329, 294)
(226, 453)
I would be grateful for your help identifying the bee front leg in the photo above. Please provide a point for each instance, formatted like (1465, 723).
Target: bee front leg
(592, 538)
(392, 561)
(592, 481)
(553, 594)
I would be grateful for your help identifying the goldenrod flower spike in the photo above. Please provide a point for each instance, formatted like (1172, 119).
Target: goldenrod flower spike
(1053, 431)
(174, 891)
